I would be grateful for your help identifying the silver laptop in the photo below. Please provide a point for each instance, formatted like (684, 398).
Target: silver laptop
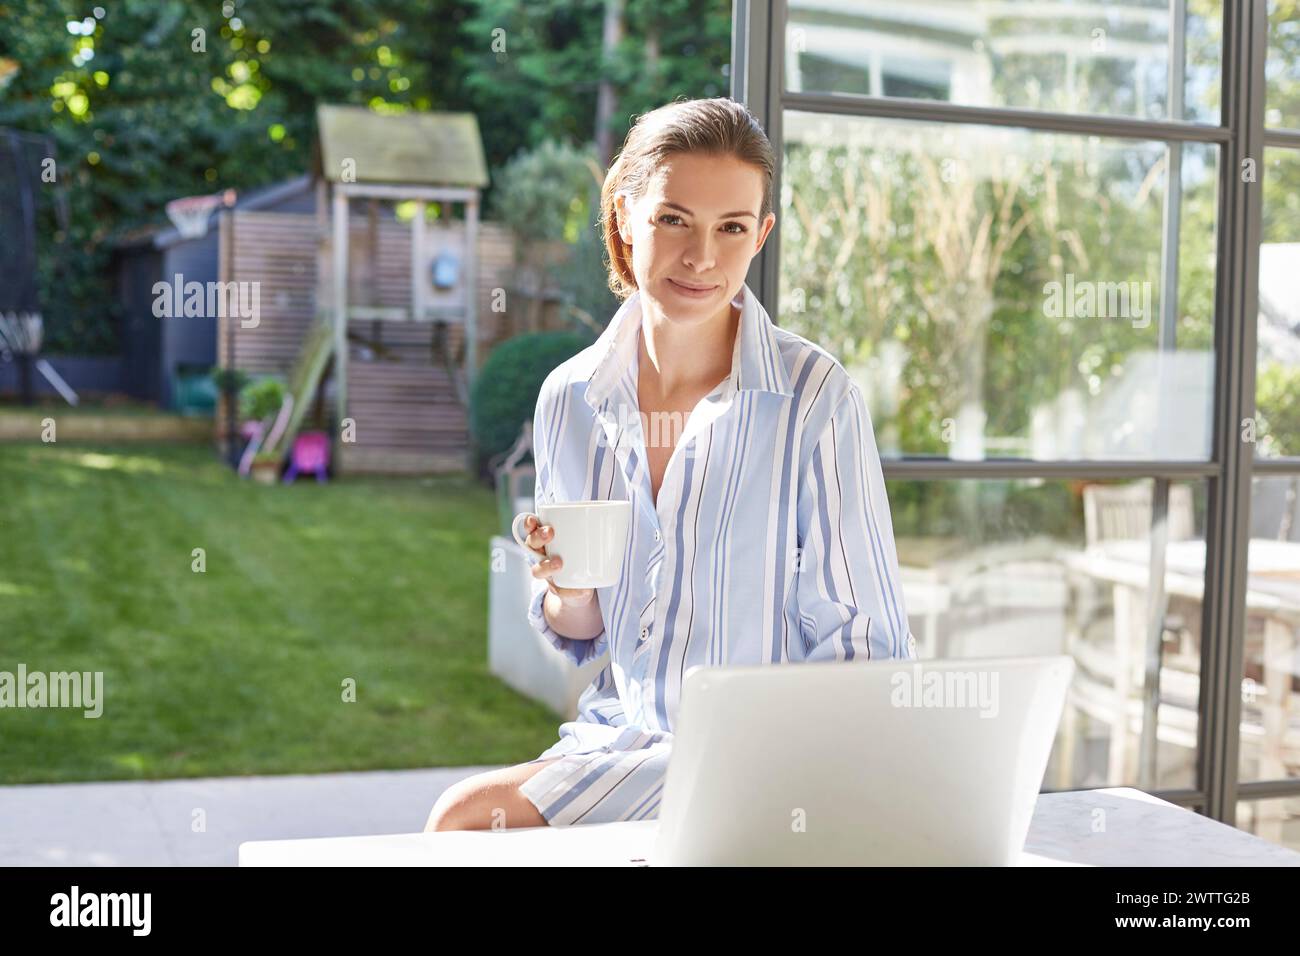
(866, 763)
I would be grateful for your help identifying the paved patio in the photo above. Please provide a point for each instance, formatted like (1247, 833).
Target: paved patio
(150, 823)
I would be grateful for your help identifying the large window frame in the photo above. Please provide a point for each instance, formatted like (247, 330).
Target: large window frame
(758, 80)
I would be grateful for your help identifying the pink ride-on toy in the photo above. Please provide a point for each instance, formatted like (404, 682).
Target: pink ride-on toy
(311, 455)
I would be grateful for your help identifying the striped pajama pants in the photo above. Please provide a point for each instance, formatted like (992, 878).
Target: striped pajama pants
(622, 780)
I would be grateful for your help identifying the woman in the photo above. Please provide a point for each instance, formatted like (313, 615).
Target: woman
(760, 529)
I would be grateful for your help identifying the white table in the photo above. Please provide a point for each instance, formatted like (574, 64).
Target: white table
(1113, 827)
(1272, 595)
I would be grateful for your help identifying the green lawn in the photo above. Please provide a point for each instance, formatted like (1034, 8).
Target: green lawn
(240, 669)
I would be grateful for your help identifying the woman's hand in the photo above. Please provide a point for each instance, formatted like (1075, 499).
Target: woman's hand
(538, 534)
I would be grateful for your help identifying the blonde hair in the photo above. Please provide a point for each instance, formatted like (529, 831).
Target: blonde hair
(717, 127)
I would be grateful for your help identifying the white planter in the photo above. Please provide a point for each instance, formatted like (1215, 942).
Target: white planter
(516, 653)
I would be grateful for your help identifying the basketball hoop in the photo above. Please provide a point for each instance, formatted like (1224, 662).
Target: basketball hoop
(190, 214)
(21, 333)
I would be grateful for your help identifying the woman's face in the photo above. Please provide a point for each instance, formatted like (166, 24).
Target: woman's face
(693, 234)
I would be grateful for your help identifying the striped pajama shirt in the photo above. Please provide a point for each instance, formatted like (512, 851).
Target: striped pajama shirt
(771, 542)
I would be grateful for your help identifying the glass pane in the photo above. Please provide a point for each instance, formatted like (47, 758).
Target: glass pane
(994, 568)
(1277, 375)
(1276, 819)
(1282, 68)
(1270, 687)
(1107, 57)
(997, 292)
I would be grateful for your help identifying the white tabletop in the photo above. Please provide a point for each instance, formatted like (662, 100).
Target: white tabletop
(1273, 574)
(1113, 827)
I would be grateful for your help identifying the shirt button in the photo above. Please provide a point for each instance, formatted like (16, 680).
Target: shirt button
(645, 632)
(657, 535)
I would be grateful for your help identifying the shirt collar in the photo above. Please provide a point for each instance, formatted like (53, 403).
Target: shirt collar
(755, 360)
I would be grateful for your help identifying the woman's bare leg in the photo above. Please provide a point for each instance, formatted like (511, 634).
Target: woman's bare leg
(487, 801)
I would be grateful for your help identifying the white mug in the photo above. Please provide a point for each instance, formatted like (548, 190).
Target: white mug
(590, 537)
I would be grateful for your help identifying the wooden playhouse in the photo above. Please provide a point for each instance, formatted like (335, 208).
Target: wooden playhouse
(378, 306)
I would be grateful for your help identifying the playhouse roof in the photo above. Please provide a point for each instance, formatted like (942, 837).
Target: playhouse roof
(427, 149)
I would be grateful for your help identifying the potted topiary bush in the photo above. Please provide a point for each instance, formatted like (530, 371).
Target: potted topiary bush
(266, 468)
(262, 399)
(260, 402)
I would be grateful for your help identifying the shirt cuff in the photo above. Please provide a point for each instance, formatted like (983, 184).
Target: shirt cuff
(578, 651)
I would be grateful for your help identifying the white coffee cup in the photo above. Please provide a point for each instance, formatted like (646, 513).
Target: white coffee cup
(590, 537)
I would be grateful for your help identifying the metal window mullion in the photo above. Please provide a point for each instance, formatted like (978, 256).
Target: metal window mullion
(1268, 789)
(1236, 303)
(922, 469)
(1276, 466)
(770, 281)
(938, 111)
(1286, 138)
(746, 27)
(757, 61)
(1157, 599)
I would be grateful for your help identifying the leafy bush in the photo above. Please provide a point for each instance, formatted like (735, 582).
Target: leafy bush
(549, 197)
(262, 398)
(1278, 411)
(543, 194)
(505, 393)
(232, 379)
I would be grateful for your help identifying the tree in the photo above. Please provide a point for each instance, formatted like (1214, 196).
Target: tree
(142, 108)
(154, 100)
